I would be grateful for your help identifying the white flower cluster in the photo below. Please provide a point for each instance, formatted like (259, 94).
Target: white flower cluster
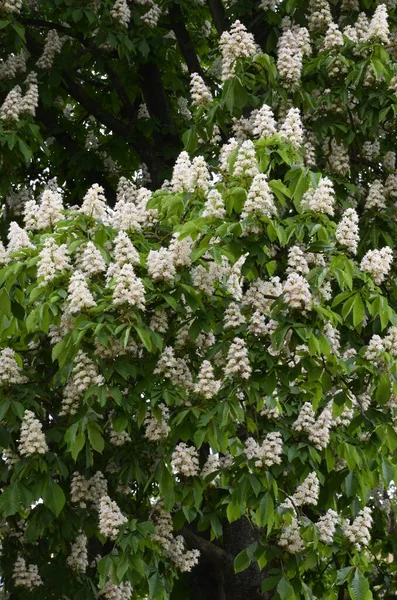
(268, 453)
(173, 547)
(110, 517)
(120, 12)
(389, 161)
(233, 316)
(291, 47)
(306, 493)
(129, 288)
(375, 350)
(264, 124)
(124, 250)
(15, 63)
(291, 539)
(347, 232)
(337, 155)
(52, 46)
(260, 199)
(79, 295)
(214, 206)
(211, 465)
(156, 430)
(52, 259)
(173, 368)
(246, 164)
(377, 263)
(31, 437)
(78, 557)
(320, 15)
(261, 294)
(189, 176)
(378, 29)
(185, 460)
(326, 526)
(199, 92)
(322, 199)
(297, 292)
(94, 204)
(16, 103)
(90, 260)
(333, 336)
(45, 213)
(88, 490)
(206, 384)
(333, 38)
(359, 531)
(237, 360)
(225, 153)
(26, 576)
(10, 371)
(297, 261)
(84, 375)
(318, 430)
(118, 438)
(112, 591)
(292, 129)
(234, 44)
(376, 198)
(17, 238)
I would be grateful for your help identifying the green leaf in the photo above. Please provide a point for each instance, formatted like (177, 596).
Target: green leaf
(78, 445)
(241, 562)
(343, 575)
(265, 512)
(95, 436)
(10, 500)
(359, 587)
(285, 590)
(25, 150)
(54, 497)
(358, 311)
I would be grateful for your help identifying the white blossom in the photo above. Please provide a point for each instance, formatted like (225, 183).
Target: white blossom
(79, 295)
(185, 460)
(52, 258)
(120, 12)
(199, 92)
(206, 385)
(52, 46)
(264, 125)
(237, 359)
(10, 371)
(326, 526)
(78, 557)
(129, 288)
(378, 29)
(292, 129)
(214, 206)
(110, 518)
(31, 438)
(377, 263)
(291, 539)
(156, 430)
(17, 238)
(260, 199)
(347, 232)
(321, 199)
(234, 44)
(90, 260)
(359, 531)
(84, 375)
(297, 292)
(94, 204)
(26, 576)
(246, 164)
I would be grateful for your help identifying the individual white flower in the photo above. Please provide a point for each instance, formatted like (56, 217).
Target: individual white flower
(200, 175)
(321, 199)
(234, 44)
(79, 489)
(120, 12)
(199, 92)
(214, 206)
(79, 295)
(326, 526)
(307, 492)
(181, 180)
(237, 359)
(110, 518)
(129, 288)
(185, 460)
(206, 385)
(377, 263)
(292, 128)
(78, 557)
(12, 105)
(31, 437)
(347, 232)
(289, 59)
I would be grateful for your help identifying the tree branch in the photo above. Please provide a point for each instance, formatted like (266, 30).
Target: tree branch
(184, 40)
(210, 550)
(218, 15)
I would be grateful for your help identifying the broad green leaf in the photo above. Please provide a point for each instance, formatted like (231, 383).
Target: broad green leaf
(54, 497)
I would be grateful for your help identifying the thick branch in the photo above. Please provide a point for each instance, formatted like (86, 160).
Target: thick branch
(218, 15)
(208, 549)
(184, 40)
